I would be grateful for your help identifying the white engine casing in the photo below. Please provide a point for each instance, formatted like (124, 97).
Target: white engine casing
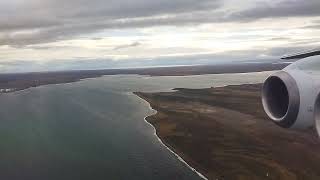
(291, 97)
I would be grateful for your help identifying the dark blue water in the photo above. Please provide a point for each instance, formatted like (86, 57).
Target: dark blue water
(93, 129)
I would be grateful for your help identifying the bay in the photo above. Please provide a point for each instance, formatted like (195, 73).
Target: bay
(93, 129)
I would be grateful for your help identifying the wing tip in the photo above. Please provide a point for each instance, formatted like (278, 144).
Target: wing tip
(302, 55)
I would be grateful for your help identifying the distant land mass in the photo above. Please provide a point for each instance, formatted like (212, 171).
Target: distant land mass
(19, 81)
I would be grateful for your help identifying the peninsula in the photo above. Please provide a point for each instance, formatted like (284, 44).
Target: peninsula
(224, 134)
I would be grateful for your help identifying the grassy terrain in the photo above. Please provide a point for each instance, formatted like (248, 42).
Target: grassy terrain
(224, 133)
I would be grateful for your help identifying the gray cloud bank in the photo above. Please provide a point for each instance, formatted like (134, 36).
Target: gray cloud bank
(249, 56)
(276, 9)
(41, 21)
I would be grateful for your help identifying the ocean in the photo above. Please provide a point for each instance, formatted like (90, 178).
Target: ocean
(94, 129)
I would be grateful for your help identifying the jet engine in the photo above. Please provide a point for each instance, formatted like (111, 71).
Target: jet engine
(291, 97)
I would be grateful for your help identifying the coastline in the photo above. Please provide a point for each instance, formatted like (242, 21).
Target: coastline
(262, 153)
(20, 81)
(215, 130)
(252, 144)
(166, 145)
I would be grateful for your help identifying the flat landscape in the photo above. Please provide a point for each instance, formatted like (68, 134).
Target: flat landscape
(19, 81)
(224, 133)
(159, 89)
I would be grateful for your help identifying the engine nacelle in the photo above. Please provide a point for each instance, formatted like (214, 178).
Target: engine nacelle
(289, 96)
(281, 99)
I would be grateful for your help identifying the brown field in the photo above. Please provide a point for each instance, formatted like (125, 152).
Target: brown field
(224, 134)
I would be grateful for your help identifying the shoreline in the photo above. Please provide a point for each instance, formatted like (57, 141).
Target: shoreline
(20, 81)
(165, 144)
(169, 147)
(223, 133)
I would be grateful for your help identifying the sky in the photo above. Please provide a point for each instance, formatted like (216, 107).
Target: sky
(51, 35)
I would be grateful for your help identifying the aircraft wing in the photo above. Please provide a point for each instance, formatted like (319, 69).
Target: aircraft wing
(302, 55)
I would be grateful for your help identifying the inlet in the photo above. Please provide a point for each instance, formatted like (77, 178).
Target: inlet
(276, 98)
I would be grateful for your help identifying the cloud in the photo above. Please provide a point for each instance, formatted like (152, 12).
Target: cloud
(277, 9)
(280, 39)
(76, 64)
(43, 21)
(315, 25)
(272, 54)
(134, 44)
(82, 34)
(36, 22)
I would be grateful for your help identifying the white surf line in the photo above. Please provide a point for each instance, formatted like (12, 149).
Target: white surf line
(155, 133)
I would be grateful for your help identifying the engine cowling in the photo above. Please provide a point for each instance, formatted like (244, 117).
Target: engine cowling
(281, 99)
(289, 98)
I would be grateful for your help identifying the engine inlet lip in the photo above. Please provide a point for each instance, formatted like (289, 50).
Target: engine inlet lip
(317, 114)
(292, 112)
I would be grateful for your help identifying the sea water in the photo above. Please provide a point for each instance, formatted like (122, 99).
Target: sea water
(93, 129)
